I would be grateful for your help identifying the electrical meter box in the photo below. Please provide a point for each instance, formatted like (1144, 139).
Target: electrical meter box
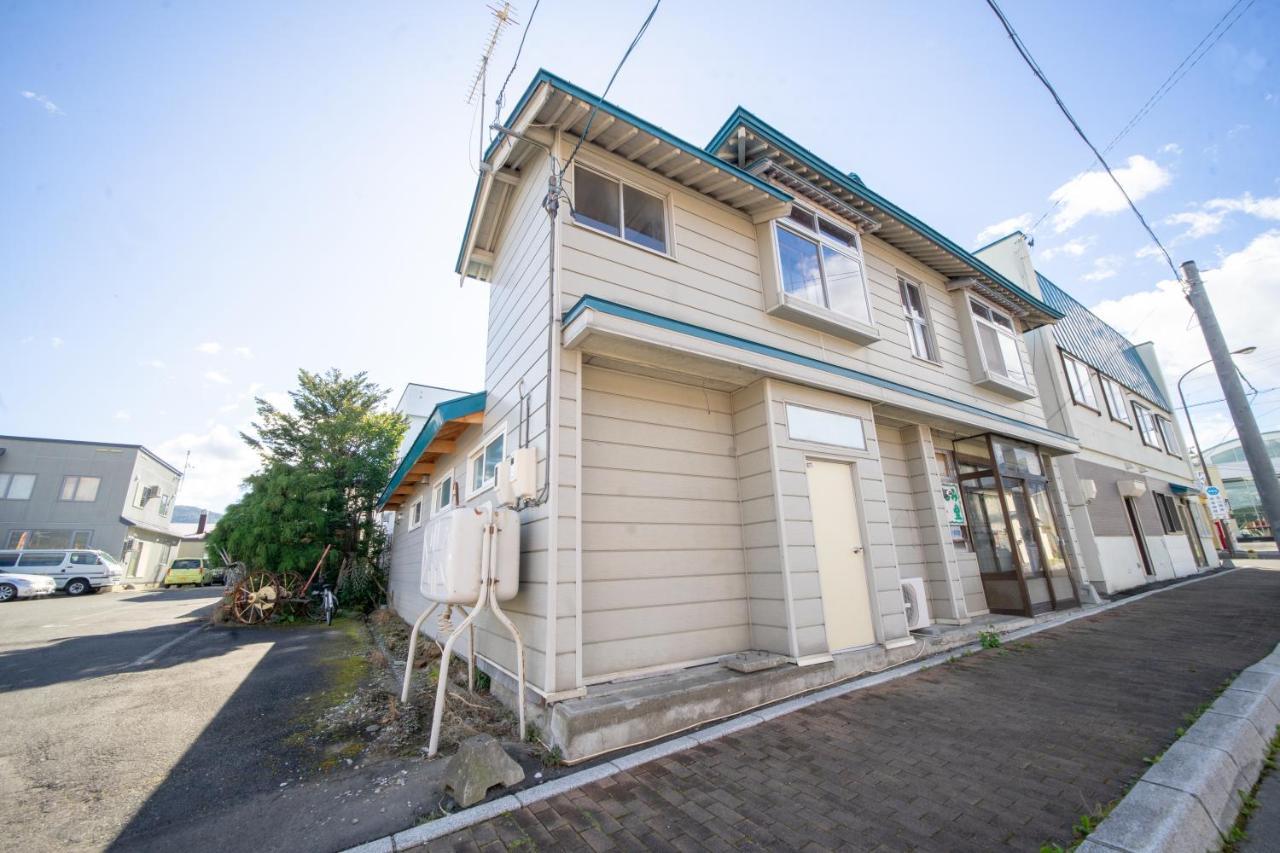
(517, 476)
(452, 549)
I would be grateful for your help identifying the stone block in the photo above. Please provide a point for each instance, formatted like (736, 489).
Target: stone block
(1159, 820)
(1210, 775)
(1260, 678)
(479, 764)
(752, 661)
(1257, 708)
(1235, 736)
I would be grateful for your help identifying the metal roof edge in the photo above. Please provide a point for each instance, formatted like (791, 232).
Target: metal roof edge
(743, 116)
(440, 415)
(593, 302)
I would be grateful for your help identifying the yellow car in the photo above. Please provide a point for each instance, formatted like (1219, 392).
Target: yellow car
(186, 571)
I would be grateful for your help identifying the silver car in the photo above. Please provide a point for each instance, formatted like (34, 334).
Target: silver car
(25, 586)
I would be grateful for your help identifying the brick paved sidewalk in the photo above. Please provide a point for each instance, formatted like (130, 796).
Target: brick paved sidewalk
(1002, 750)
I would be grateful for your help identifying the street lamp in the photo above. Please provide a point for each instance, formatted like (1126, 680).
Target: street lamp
(1186, 412)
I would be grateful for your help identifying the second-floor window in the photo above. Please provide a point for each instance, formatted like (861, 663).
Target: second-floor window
(78, 488)
(1115, 398)
(16, 487)
(917, 317)
(822, 263)
(620, 210)
(1166, 434)
(998, 338)
(1147, 426)
(1079, 382)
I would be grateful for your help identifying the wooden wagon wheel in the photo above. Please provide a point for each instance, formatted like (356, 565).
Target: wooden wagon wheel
(255, 598)
(291, 600)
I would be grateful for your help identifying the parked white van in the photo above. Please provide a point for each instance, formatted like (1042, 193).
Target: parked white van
(76, 572)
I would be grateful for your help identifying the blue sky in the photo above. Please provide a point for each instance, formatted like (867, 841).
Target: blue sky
(201, 198)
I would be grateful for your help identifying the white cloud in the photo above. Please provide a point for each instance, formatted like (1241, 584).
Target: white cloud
(1074, 247)
(994, 231)
(219, 461)
(210, 348)
(1090, 193)
(1171, 148)
(49, 106)
(217, 376)
(1103, 268)
(152, 362)
(1212, 215)
(1245, 289)
(122, 415)
(55, 342)
(1150, 250)
(243, 352)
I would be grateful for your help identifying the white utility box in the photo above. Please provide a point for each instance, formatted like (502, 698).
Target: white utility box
(452, 550)
(517, 476)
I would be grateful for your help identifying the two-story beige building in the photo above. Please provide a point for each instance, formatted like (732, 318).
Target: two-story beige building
(764, 398)
(1131, 489)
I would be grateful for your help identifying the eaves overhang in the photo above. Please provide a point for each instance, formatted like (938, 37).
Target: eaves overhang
(759, 141)
(448, 420)
(550, 102)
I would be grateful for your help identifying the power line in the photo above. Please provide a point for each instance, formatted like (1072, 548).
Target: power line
(1163, 89)
(605, 93)
(1031, 63)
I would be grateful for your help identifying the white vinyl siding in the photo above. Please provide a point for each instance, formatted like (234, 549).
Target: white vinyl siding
(662, 565)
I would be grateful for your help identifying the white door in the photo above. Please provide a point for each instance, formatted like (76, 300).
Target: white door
(837, 536)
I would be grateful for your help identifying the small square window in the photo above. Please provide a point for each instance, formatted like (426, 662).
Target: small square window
(80, 489)
(443, 495)
(483, 462)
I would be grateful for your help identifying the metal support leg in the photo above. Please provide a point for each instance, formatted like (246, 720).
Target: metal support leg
(510, 626)
(413, 650)
(471, 658)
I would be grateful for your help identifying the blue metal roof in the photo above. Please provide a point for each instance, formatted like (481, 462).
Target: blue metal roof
(443, 413)
(1083, 334)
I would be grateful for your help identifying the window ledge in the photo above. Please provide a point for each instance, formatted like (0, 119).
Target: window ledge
(615, 238)
(826, 320)
(1008, 387)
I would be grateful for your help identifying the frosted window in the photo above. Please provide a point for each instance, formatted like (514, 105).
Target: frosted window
(804, 424)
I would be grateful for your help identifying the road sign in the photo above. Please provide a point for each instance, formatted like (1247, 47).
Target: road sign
(1213, 491)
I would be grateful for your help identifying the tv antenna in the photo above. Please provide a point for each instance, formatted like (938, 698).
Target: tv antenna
(501, 18)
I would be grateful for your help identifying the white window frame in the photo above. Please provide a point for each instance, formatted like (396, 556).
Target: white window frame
(1079, 383)
(1117, 401)
(1164, 426)
(445, 484)
(415, 514)
(1011, 334)
(477, 454)
(6, 485)
(1147, 425)
(815, 235)
(78, 478)
(924, 321)
(664, 197)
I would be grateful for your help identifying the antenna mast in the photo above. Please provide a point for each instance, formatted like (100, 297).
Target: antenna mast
(501, 18)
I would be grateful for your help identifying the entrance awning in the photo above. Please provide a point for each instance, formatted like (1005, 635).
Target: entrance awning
(436, 438)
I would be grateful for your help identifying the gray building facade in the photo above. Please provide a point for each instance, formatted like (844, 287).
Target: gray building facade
(117, 498)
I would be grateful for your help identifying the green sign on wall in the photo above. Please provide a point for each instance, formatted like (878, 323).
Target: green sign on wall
(951, 499)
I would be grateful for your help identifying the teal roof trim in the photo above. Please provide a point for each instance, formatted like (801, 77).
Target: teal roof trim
(544, 76)
(443, 413)
(612, 308)
(1088, 337)
(744, 117)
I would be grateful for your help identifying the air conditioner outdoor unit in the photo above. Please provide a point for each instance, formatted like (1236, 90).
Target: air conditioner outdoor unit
(915, 603)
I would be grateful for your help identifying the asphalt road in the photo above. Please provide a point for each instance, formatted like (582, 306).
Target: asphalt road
(128, 724)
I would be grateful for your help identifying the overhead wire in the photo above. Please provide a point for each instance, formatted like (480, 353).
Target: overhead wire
(596, 108)
(1162, 90)
(502, 92)
(1035, 68)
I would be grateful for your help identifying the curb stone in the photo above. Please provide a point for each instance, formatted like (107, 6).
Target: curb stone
(1190, 798)
(423, 833)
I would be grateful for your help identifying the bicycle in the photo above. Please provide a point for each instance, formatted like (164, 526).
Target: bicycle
(327, 604)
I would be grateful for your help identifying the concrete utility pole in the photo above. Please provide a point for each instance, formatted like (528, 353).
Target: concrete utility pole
(1255, 451)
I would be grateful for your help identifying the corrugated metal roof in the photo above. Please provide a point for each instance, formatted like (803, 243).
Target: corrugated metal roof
(1084, 335)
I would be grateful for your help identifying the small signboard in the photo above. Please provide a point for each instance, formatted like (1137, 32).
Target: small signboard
(954, 508)
(1213, 491)
(1219, 507)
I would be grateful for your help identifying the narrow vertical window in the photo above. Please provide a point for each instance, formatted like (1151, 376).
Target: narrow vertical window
(913, 311)
(1079, 382)
(998, 339)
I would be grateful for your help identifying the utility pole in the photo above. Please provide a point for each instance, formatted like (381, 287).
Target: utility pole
(1255, 451)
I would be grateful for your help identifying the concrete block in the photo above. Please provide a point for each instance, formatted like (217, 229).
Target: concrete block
(653, 753)
(425, 832)
(1265, 665)
(478, 765)
(728, 727)
(1235, 736)
(1260, 680)
(378, 845)
(571, 782)
(1091, 846)
(1208, 774)
(1157, 819)
(774, 711)
(1254, 707)
(752, 661)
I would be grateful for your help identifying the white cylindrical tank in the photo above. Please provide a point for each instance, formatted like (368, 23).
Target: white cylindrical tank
(452, 551)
